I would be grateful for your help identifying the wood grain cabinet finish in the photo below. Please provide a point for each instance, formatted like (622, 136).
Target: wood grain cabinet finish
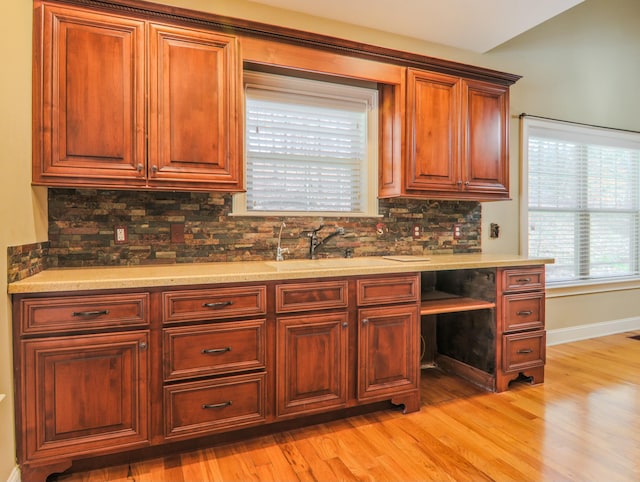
(312, 357)
(89, 91)
(457, 138)
(203, 407)
(83, 395)
(220, 348)
(520, 318)
(92, 120)
(388, 358)
(83, 313)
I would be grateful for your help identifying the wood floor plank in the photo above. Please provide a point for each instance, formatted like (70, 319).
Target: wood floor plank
(582, 424)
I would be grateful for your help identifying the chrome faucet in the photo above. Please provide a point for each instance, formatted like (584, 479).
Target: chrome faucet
(315, 242)
(280, 250)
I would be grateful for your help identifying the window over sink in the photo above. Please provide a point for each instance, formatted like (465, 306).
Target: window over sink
(311, 147)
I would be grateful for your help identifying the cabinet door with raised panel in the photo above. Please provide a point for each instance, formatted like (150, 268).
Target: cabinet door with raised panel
(89, 105)
(388, 354)
(84, 394)
(485, 156)
(433, 118)
(194, 133)
(312, 355)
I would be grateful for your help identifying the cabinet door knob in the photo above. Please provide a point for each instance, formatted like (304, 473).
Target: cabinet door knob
(154, 169)
(139, 167)
(365, 321)
(345, 324)
(143, 345)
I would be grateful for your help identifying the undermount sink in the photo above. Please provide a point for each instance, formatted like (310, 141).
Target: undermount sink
(325, 263)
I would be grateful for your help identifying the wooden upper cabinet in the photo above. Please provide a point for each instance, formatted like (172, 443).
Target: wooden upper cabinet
(485, 110)
(433, 122)
(457, 138)
(92, 119)
(193, 108)
(90, 126)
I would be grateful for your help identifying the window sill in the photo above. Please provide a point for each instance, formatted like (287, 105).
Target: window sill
(592, 288)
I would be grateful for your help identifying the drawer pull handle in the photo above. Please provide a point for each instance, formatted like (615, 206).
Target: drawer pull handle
(214, 351)
(217, 304)
(90, 313)
(524, 280)
(524, 351)
(217, 405)
(524, 313)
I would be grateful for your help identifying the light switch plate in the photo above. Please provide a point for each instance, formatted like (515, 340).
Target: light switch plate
(120, 235)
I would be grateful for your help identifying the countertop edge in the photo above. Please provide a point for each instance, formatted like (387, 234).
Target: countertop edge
(142, 277)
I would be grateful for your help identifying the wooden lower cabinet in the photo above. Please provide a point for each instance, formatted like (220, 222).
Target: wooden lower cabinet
(387, 350)
(312, 360)
(83, 395)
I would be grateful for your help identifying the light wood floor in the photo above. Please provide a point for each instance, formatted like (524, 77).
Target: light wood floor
(582, 424)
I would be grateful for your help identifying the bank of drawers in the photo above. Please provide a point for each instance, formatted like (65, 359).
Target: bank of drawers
(214, 344)
(522, 318)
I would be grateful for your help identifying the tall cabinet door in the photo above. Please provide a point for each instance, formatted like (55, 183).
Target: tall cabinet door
(388, 352)
(485, 156)
(194, 133)
(312, 362)
(84, 394)
(433, 118)
(91, 98)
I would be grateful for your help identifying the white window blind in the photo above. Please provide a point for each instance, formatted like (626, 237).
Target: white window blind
(583, 191)
(308, 146)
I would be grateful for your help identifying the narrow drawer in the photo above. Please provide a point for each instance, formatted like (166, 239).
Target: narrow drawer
(523, 350)
(83, 312)
(376, 291)
(311, 296)
(523, 279)
(523, 311)
(215, 303)
(214, 349)
(214, 405)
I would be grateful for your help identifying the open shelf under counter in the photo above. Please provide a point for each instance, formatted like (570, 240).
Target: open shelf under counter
(436, 302)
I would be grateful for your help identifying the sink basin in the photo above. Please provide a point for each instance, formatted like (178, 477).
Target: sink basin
(326, 263)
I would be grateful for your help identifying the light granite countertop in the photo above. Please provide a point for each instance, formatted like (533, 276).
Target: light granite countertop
(125, 277)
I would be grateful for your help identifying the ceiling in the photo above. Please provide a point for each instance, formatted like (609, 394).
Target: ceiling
(476, 25)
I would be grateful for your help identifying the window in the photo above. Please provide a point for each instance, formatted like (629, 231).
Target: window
(582, 199)
(310, 147)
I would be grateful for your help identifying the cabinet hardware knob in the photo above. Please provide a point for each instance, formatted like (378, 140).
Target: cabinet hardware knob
(214, 351)
(466, 183)
(217, 405)
(459, 183)
(90, 313)
(524, 313)
(217, 304)
(139, 167)
(524, 280)
(365, 321)
(345, 324)
(143, 345)
(524, 351)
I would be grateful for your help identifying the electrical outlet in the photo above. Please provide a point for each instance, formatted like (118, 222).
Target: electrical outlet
(457, 231)
(417, 231)
(120, 234)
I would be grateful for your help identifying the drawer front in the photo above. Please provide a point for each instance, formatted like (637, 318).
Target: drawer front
(311, 296)
(83, 313)
(523, 350)
(211, 406)
(211, 304)
(523, 279)
(376, 291)
(210, 350)
(523, 311)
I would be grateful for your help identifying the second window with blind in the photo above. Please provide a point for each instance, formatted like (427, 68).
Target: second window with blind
(310, 147)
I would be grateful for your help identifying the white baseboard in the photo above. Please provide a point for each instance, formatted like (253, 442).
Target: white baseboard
(594, 330)
(15, 475)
